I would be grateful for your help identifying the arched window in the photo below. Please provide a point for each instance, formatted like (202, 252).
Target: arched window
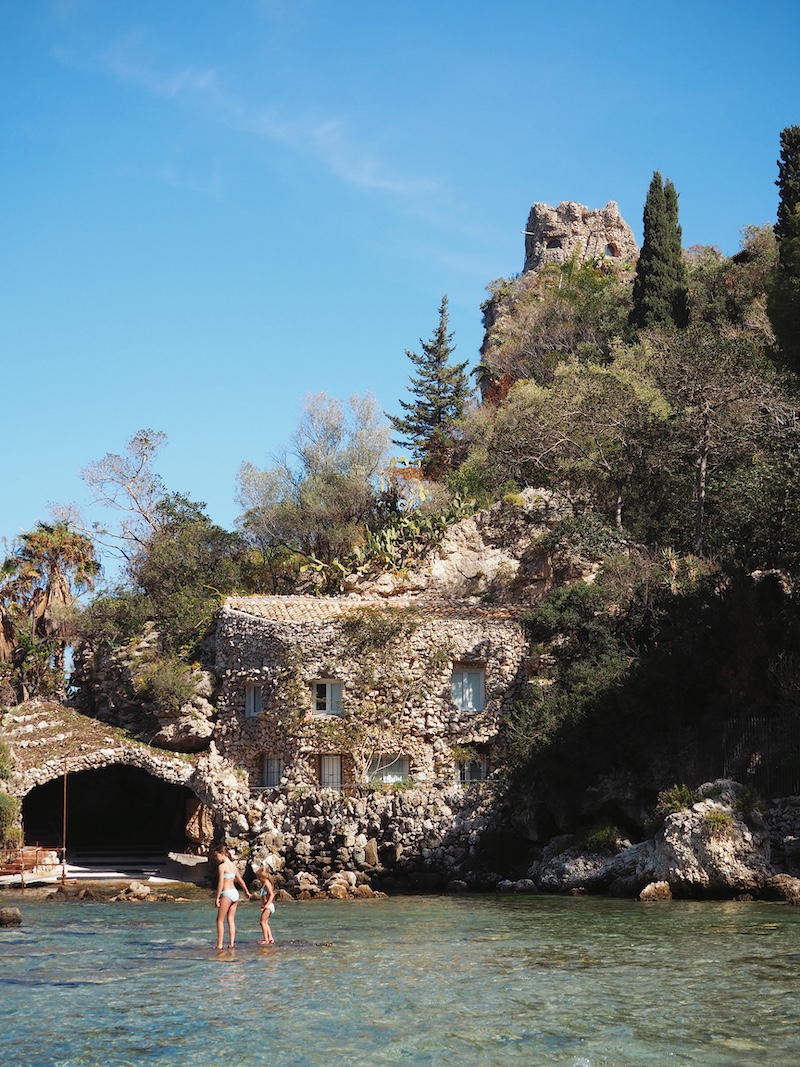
(612, 250)
(554, 242)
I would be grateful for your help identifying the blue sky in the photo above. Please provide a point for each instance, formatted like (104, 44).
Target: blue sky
(209, 210)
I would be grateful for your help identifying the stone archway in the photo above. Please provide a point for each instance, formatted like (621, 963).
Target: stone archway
(115, 811)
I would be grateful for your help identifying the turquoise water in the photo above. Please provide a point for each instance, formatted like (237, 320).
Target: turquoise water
(489, 981)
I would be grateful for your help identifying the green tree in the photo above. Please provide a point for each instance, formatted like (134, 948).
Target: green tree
(186, 566)
(783, 290)
(541, 318)
(584, 436)
(440, 389)
(39, 583)
(725, 404)
(317, 501)
(660, 288)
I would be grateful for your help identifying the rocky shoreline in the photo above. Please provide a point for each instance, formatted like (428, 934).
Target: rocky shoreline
(323, 844)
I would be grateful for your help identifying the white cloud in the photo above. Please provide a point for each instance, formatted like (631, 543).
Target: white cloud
(133, 60)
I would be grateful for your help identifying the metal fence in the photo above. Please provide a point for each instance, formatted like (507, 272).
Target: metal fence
(764, 753)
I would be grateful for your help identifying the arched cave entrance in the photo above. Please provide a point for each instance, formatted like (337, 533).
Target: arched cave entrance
(117, 816)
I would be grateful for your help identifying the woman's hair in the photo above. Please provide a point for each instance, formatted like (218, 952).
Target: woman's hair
(223, 850)
(263, 875)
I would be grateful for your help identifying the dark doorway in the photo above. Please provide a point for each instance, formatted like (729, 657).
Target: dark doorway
(116, 811)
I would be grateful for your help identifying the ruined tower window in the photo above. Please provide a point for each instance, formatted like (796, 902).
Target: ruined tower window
(612, 250)
(554, 242)
(471, 771)
(466, 689)
(326, 697)
(388, 768)
(252, 700)
(271, 771)
(330, 772)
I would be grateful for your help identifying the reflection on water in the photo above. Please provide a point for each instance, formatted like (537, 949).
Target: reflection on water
(409, 981)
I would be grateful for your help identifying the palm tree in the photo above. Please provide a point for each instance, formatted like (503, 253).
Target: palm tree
(39, 583)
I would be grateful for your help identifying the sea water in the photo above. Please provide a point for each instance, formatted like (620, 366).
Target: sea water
(438, 981)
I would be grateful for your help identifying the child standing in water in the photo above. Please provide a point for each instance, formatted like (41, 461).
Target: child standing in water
(267, 894)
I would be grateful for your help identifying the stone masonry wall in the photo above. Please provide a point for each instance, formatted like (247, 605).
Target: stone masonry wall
(394, 662)
(417, 838)
(555, 234)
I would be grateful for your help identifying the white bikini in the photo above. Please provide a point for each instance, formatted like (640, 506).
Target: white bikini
(231, 892)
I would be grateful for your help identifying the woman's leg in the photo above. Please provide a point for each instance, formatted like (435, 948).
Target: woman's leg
(232, 922)
(224, 904)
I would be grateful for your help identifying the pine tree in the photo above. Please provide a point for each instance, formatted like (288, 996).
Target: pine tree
(440, 389)
(660, 290)
(783, 284)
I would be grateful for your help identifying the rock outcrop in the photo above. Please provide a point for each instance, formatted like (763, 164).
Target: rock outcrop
(714, 849)
(121, 687)
(495, 555)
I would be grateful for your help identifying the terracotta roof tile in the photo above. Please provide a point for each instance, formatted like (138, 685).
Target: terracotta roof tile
(323, 609)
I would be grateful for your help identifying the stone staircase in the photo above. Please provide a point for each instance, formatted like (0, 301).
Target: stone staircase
(130, 862)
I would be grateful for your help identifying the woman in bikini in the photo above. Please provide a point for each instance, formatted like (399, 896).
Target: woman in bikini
(227, 894)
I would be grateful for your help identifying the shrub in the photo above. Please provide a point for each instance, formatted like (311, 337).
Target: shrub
(9, 810)
(709, 792)
(6, 762)
(677, 798)
(601, 839)
(168, 683)
(719, 823)
(748, 801)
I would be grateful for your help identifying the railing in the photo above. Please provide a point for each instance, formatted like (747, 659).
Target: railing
(18, 861)
(764, 752)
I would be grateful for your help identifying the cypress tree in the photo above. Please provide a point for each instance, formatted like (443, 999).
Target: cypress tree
(440, 389)
(788, 182)
(677, 264)
(660, 289)
(783, 284)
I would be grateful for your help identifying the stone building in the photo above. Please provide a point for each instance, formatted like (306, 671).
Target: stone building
(339, 691)
(555, 234)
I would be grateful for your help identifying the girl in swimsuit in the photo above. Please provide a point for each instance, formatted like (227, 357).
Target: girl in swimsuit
(267, 894)
(227, 894)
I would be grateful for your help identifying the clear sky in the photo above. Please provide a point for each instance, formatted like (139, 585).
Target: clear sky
(209, 209)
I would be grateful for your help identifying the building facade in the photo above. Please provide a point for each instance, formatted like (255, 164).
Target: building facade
(342, 692)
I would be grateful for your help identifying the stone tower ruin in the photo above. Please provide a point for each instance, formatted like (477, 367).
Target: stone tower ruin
(554, 235)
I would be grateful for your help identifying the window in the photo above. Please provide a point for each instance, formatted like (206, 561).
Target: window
(471, 771)
(554, 243)
(252, 700)
(388, 768)
(271, 771)
(326, 697)
(330, 772)
(466, 690)
(611, 250)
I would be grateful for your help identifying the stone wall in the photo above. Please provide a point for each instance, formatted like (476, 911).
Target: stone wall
(554, 235)
(394, 661)
(411, 838)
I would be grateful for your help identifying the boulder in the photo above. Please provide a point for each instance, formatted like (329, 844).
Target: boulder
(783, 887)
(656, 891)
(10, 917)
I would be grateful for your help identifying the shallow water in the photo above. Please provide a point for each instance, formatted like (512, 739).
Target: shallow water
(583, 982)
